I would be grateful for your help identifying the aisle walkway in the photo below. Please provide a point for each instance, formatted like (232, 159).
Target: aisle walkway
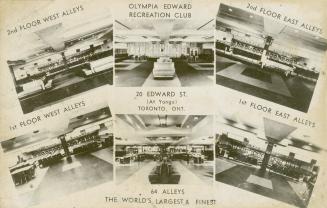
(271, 185)
(292, 92)
(138, 173)
(64, 178)
(129, 74)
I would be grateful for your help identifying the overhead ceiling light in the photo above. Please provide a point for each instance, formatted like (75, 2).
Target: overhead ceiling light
(230, 10)
(196, 118)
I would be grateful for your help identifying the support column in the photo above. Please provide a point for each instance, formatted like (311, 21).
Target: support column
(268, 42)
(65, 146)
(64, 59)
(266, 157)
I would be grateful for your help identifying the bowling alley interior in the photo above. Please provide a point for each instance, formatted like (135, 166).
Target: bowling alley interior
(170, 53)
(73, 154)
(164, 149)
(62, 60)
(266, 157)
(267, 59)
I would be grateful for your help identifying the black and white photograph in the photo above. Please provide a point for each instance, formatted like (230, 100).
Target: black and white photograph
(164, 149)
(266, 157)
(62, 59)
(164, 53)
(69, 155)
(266, 58)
